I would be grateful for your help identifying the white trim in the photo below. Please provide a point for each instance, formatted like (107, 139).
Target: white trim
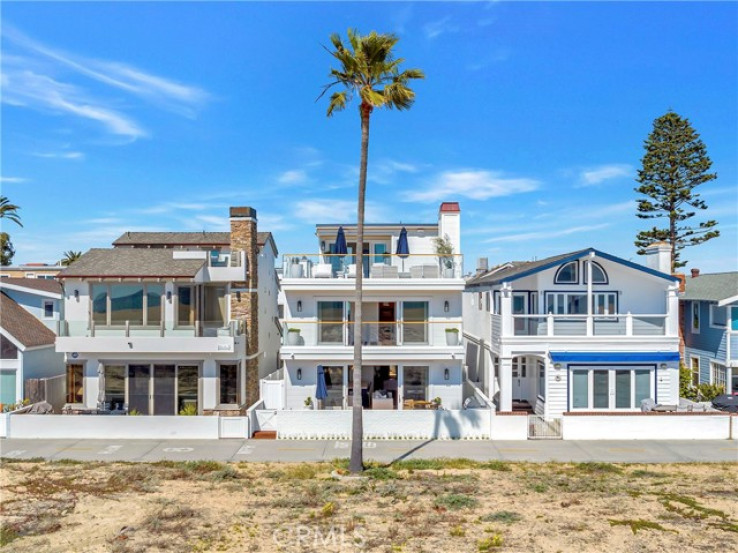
(727, 317)
(33, 291)
(726, 301)
(695, 305)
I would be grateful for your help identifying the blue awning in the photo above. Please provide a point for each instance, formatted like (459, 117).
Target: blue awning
(613, 356)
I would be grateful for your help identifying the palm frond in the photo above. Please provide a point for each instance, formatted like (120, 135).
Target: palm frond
(337, 103)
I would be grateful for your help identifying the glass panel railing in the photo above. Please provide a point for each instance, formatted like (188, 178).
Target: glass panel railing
(373, 333)
(386, 266)
(207, 329)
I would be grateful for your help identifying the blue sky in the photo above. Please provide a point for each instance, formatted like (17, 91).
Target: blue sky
(158, 116)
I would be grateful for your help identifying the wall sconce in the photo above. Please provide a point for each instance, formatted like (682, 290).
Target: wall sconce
(76, 295)
(663, 366)
(322, 246)
(169, 296)
(130, 345)
(299, 374)
(446, 374)
(445, 306)
(299, 306)
(238, 295)
(557, 366)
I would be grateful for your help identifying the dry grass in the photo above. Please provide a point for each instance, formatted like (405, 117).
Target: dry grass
(412, 506)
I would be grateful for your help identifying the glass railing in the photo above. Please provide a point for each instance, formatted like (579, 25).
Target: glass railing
(127, 329)
(374, 266)
(373, 333)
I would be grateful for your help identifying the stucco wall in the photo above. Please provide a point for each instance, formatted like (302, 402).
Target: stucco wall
(646, 427)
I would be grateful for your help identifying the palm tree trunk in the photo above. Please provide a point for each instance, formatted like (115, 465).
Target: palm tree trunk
(357, 428)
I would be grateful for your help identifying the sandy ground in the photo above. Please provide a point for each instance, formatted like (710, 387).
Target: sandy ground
(433, 506)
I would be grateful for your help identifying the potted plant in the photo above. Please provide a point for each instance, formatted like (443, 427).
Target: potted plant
(293, 336)
(445, 252)
(189, 410)
(436, 401)
(452, 336)
(308, 402)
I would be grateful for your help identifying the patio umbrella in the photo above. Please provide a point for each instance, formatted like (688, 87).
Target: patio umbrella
(340, 246)
(321, 390)
(403, 250)
(101, 387)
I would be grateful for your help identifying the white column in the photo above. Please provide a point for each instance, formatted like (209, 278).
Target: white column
(91, 382)
(506, 384)
(506, 310)
(209, 380)
(671, 326)
(590, 299)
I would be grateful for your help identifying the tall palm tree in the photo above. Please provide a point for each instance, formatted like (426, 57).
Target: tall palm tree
(9, 211)
(368, 69)
(70, 257)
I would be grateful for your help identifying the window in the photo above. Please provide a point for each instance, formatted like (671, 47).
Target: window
(541, 379)
(75, 391)
(229, 389)
(488, 301)
(496, 302)
(115, 386)
(695, 317)
(575, 303)
(100, 304)
(610, 388)
(8, 385)
(334, 386)
(718, 374)
(380, 251)
(154, 293)
(599, 276)
(126, 304)
(48, 309)
(187, 387)
(718, 316)
(330, 322)
(415, 322)
(185, 306)
(695, 363)
(568, 273)
(8, 350)
(580, 389)
(135, 304)
(415, 383)
(479, 300)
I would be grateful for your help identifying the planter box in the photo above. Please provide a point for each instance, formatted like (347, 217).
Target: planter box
(452, 338)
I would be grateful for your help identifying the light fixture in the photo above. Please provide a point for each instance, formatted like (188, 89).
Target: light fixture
(76, 295)
(663, 366)
(130, 345)
(446, 306)
(299, 306)
(169, 296)
(446, 374)
(238, 295)
(322, 246)
(299, 374)
(557, 366)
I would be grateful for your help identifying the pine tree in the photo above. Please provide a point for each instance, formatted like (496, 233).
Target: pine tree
(675, 163)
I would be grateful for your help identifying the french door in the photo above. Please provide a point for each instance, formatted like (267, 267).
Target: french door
(139, 388)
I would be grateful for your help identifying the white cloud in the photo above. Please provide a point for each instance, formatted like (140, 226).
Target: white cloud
(596, 175)
(59, 155)
(434, 29)
(476, 184)
(546, 234)
(293, 176)
(324, 211)
(13, 180)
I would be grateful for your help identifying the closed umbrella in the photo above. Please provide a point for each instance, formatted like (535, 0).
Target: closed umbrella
(321, 390)
(101, 387)
(403, 250)
(340, 246)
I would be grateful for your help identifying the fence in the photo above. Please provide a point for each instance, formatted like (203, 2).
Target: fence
(51, 390)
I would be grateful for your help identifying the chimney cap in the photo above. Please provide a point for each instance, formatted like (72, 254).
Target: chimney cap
(695, 273)
(243, 212)
(450, 207)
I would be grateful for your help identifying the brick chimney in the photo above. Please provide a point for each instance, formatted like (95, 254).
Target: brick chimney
(658, 257)
(244, 295)
(695, 273)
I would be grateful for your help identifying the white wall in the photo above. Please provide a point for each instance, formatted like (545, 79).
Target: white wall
(646, 427)
(269, 337)
(510, 427)
(42, 363)
(34, 304)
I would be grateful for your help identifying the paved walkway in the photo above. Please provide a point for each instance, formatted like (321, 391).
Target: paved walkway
(666, 451)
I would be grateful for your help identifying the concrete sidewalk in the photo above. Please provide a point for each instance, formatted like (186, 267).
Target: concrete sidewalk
(666, 451)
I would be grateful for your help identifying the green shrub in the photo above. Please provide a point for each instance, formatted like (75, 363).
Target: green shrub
(455, 501)
(188, 410)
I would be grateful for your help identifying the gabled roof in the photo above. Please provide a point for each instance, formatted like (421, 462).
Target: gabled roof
(46, 285)
(712, 287)
(519, 269)
(183, 239)
(23, 326)
(131, 263)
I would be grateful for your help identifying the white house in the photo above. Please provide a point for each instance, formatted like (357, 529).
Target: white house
(30, 310)
(577, 332)
(166, 321)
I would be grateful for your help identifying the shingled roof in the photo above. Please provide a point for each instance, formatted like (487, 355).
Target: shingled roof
(711, 287)
(40, 284)
(131, 263)
(23, 326)
(182, 239)
(513, 269)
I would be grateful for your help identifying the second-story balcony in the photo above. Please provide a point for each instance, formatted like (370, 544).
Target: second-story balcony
(578, 325)
(221, 266)
(202, 337)
(375, 267)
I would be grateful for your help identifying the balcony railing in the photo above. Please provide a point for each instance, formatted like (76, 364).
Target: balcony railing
(588, 325)
(375, 266)
(201, 329)
(374, 333)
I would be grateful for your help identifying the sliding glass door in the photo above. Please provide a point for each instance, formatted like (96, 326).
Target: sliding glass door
(139, 379)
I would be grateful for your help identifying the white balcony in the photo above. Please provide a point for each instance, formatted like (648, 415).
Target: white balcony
(221, 267)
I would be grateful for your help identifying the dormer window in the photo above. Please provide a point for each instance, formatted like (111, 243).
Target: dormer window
(599, 276)
(568, 273)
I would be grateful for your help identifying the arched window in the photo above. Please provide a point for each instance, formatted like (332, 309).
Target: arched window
(568, 273)
(599, 276)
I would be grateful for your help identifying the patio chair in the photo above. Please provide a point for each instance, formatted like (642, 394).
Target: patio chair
(323, 270)
(351, 270)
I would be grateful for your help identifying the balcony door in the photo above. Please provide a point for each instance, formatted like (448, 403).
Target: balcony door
(139, 379)
(520, 307)
(387, 324)
(164, 390)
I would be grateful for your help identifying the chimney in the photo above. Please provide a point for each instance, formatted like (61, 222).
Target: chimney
(695, 273)
(658, 257)
(244, 295)
(482, 265)
(449, 223)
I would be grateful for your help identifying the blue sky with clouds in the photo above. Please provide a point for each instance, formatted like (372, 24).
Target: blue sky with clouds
(158, 116)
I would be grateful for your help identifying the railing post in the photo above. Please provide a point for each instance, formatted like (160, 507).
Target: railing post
(590, 325)
(92, 328)
(629, 324)
(197, 329)
(550, 324)
(161, 329)
(128, 329)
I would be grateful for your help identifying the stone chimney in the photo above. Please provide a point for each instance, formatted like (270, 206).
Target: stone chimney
(449, 223)
(695, 273)
(658, 257)
(244, 295)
